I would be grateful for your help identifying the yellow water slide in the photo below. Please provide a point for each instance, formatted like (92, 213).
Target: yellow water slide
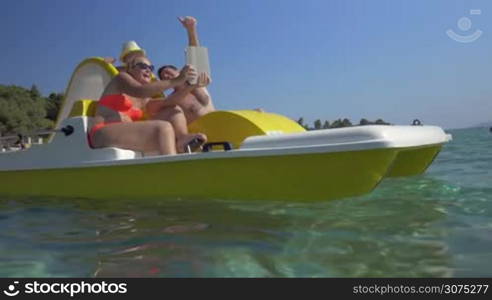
(88, 81)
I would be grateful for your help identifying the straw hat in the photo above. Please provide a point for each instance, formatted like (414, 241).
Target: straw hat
(129, 47)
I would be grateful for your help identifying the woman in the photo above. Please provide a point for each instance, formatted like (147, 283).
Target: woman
(123, 103)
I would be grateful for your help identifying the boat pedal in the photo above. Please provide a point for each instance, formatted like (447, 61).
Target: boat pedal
(209, 146)
(193, 145)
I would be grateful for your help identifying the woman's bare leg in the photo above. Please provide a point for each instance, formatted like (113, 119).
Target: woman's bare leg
(145, 136)
(175, 115)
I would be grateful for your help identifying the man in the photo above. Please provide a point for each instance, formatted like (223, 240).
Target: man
(194, 100)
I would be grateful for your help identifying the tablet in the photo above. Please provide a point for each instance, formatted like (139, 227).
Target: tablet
(198, 58)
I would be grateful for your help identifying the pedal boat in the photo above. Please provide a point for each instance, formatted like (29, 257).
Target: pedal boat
(271, 156)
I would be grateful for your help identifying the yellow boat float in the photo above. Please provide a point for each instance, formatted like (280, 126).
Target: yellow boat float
(270, 158)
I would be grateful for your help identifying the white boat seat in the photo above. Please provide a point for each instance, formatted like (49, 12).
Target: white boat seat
(81, 118)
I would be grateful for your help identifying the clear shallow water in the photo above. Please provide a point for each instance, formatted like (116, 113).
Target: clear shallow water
(435, 225)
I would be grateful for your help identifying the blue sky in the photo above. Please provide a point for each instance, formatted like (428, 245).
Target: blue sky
(387, 59)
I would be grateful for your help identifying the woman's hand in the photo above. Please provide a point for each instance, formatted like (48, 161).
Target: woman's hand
(187, 73)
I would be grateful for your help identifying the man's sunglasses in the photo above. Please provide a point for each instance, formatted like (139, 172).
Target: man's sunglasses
(145, 66)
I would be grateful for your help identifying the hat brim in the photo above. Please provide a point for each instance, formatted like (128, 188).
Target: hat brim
(122, 57)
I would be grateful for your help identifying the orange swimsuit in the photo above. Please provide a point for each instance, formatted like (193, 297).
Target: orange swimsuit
(120, 103)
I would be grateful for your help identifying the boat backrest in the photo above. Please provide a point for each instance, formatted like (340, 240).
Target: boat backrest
(83, 108)
(88, 81)
(236, 125)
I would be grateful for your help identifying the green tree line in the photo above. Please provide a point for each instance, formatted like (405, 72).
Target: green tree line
(319, 124)
(25, 110)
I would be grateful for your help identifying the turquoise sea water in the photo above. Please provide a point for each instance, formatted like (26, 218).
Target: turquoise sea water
(435, 225)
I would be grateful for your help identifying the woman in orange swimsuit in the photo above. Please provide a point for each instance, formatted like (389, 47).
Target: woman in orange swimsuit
(123, 102)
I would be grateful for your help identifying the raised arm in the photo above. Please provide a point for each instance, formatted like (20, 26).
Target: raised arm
(200, 92)
(128, 85)
(189, 23)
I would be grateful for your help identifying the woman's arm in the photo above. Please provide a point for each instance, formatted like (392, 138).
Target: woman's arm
(128, 85)
(155, 105)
